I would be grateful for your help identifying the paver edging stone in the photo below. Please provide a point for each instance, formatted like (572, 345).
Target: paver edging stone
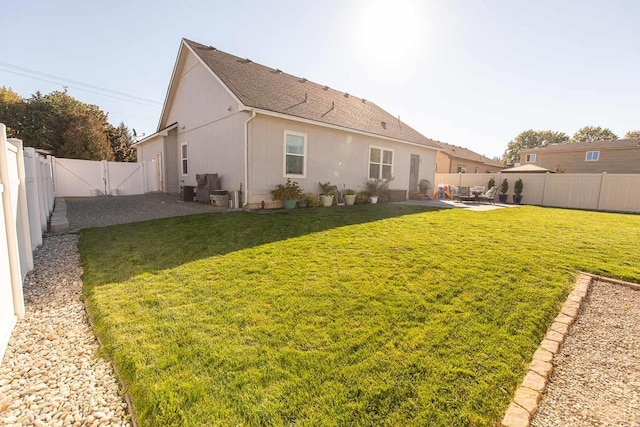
(527, 397)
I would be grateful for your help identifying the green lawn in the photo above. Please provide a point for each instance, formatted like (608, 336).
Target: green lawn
(355, 316)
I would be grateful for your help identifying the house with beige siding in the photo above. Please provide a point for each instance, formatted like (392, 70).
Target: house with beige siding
(256, 126)
(617, 156)
(454, 159)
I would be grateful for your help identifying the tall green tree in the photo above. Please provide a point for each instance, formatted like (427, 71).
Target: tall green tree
(593, 133)
(11, 110)
(65, 126)
(121, 141)
(532, 139)
(632, 134)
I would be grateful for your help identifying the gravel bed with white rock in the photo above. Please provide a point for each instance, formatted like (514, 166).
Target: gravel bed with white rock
(50, 374)
(596, 377)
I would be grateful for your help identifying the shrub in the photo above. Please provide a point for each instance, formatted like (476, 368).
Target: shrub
(504, 187)
(328, 189)
(361, 198)
(492, 183)
(290, 190)
(313, 201)
(518, 187)
(375, 187)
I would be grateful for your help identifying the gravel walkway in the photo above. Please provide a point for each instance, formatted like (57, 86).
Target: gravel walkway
(50, 375)
(596, 378)
(84, 212)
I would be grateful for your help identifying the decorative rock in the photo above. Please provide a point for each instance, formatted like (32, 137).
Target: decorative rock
(563, 318)
(50, 373)
(561, 328)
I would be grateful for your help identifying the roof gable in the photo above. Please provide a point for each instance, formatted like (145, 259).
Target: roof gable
(265, 88)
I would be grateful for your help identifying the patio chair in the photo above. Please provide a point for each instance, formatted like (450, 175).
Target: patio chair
(489, 196)
(464, 194)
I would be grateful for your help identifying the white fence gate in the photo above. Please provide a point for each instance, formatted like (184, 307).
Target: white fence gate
(26, 201)
(82, 178)
(595, 191)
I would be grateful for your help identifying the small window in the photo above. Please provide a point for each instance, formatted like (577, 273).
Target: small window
(462, 169)
(592, 156)
(530, 158)
(380, 163)
(185, 159)
(295, 160)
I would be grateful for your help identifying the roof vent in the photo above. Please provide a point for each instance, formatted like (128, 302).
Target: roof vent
(364, 101)
(346, 95)
(212, 48)
(276, 71)
(245, 61)
(384, 125)
(326, 88)
(303, 80)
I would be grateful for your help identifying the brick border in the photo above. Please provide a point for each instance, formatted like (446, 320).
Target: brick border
(525, 401)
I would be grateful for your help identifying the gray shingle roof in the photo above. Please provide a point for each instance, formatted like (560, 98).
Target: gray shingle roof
(270, 89)
(465, 153)
(581, 146)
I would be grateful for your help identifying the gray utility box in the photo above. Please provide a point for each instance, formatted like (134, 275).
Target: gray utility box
(397, 195)
(187, 193)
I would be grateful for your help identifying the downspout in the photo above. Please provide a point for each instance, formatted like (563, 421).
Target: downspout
(246, 157)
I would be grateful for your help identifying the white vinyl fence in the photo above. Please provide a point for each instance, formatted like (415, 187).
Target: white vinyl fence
(596, 191)
(82, 178)
(26, 190)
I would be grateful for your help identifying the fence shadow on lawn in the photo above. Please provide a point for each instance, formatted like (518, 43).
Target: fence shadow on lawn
(167, 243)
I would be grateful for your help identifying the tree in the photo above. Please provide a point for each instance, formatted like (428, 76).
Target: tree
(532, 139)
(632, 134)
(593, 133)
(11, 110)
(66, 127)
(121, 141)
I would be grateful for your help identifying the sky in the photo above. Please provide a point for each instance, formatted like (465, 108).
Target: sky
(470, 73)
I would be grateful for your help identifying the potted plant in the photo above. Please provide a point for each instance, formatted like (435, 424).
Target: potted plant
(376, 187)
(327, 194)
(517, 189)
(312, 201)
(349, 196)
(504, 187)
(289, 193)
(361, 198)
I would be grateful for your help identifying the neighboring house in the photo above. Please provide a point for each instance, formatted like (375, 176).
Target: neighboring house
(617, 156)
(256, 126)
(455, 159)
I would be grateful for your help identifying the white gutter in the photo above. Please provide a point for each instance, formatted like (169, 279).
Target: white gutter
(246, 156)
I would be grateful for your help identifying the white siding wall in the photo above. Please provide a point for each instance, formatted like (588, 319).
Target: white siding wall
(333, 155)
(210, 122)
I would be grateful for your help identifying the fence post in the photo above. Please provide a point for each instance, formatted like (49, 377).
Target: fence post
(459, 179)
(603, 178)
(544, 186)
(36, 210)
(10, 229)
(23, 208)
(51, 188)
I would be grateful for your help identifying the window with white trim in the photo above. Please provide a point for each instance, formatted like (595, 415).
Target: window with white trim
(530, 158)
(462, 169)
(380, 163)
(295, 154)
(184, 151)
(592, 156)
